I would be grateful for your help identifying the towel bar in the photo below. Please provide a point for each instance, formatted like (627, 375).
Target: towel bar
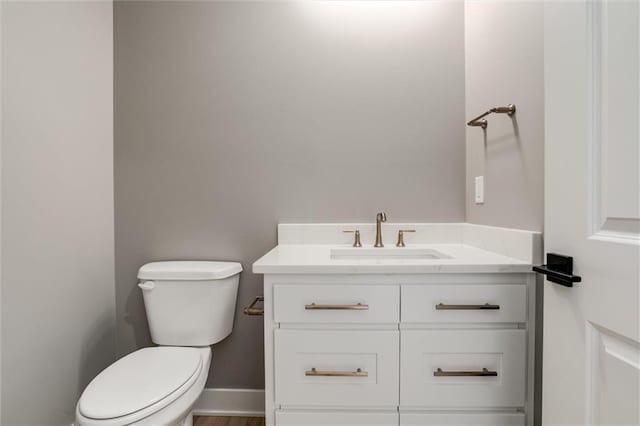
(480, 122)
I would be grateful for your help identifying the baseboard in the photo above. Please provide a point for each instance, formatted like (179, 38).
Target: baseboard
(230, 402)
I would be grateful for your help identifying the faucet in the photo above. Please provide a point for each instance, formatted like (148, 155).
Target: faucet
(380, 217)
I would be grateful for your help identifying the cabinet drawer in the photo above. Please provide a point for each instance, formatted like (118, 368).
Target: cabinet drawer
(337, 368)
(336, 304)
(444, 368)
(462, 419)
(458, 303)
(335, 418)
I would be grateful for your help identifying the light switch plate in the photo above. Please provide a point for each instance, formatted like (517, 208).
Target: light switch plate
(479, 190)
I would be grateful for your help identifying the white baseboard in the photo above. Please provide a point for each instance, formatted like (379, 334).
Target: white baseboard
(230, 402)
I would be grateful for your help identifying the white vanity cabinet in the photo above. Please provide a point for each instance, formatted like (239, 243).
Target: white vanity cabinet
(440, 332)
(432, 349)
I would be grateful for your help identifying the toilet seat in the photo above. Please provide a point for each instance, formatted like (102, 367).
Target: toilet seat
(140, 384)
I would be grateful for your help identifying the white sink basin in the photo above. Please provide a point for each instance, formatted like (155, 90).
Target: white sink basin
(386, 253)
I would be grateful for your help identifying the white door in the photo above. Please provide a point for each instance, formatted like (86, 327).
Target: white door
(591, 360)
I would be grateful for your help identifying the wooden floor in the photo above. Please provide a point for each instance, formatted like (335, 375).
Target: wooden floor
(227, 421)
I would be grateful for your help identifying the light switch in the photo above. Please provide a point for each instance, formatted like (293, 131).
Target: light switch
(479, 189)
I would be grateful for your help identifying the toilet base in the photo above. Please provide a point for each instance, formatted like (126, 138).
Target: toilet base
(188, 421)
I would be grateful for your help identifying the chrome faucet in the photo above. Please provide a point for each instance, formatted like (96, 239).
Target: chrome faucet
(380, 217)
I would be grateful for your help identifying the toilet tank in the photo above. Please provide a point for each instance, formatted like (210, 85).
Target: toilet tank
(189, 303)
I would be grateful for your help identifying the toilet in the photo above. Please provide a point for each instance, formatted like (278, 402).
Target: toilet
(190, 305)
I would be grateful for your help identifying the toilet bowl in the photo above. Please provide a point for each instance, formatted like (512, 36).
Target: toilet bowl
(152, 386)
(189, 305)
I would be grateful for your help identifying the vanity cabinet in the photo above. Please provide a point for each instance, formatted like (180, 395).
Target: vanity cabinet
(423, 349)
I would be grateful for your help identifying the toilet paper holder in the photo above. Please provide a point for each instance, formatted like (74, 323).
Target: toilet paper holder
(251, 310)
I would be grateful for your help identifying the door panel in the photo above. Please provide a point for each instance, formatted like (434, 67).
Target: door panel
(615, 88)
(615, 378)
(592, 212)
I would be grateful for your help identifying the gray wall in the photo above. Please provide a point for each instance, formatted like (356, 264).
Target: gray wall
(232, 117)
(1, 136)
(58, 313)
(504, 60)
(504, 64)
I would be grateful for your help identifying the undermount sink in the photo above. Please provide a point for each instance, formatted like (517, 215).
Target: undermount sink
(386, 253)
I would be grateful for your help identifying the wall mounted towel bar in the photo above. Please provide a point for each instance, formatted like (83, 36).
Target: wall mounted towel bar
(480, 122)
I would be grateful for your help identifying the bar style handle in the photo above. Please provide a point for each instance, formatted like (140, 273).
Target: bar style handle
(483, 373)
(356, 307)
(320, 373)
(485, 307)
(251, 310)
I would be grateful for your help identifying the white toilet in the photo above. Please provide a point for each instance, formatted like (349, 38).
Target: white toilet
(189, 305)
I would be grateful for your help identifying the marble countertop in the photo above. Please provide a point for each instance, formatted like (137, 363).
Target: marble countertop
(467, 248)
(317, 259)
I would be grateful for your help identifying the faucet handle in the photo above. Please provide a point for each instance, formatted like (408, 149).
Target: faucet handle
(401, 232)
(356, 240)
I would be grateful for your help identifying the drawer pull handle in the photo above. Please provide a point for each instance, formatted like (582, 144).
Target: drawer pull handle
(319, 373)
(357, 307)
(483, 373)
(486, 306)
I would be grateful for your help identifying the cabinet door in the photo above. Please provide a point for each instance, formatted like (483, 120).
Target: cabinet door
(336, 418)
(459, 368)
(336, 368)
(462, 419)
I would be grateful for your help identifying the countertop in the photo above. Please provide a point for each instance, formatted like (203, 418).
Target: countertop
(317, 259)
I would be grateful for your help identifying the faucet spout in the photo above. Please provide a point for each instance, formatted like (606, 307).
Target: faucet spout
(380, 217)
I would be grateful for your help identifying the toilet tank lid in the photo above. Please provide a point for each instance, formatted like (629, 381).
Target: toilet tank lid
(188, 270)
